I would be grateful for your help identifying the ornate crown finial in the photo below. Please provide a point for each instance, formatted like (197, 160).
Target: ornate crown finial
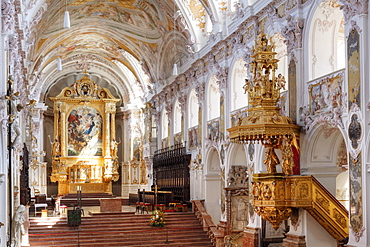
(264, 87)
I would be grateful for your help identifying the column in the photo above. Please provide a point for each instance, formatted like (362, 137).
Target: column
(107, 131)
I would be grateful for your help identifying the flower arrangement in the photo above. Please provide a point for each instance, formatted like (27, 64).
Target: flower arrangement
(157, 218)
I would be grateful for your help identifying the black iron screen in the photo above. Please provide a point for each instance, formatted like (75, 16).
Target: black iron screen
(171, 171)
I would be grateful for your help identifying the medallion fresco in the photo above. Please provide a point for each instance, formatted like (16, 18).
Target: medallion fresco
(354, 131)
(84, 132)
(354, 77)
(356, 213)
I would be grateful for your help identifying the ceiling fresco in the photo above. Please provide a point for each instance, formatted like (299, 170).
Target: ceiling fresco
(155, 33)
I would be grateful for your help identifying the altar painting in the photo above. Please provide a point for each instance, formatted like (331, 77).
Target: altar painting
(84, 132)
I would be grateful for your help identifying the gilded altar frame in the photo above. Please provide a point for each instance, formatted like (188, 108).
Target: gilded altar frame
(84, 149)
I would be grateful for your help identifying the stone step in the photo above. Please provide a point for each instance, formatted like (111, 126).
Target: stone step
(119, 229)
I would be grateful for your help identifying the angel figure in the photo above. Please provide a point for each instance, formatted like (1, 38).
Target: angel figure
(55, 148)
(247, 86)
(280, 80)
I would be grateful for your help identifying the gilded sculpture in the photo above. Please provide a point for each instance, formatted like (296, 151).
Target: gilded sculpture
(276, 194)
(264, 124)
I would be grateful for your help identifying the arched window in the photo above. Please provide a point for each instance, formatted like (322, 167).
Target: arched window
(213, 99)
(239, 74)
(326, 40)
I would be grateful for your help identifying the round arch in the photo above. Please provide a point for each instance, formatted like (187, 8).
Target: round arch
(238, 77)
(325, 23)
(326, 159)
(213, 184)
(213, 102)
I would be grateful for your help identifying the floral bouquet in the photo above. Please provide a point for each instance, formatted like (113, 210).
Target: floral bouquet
(157, 218)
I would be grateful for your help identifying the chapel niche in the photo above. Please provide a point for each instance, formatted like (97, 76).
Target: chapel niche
(84, 149)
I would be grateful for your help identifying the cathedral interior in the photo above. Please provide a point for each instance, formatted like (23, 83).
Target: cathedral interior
(249, 113)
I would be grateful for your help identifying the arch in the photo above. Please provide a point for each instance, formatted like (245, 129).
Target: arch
(213, 99)
(327, 23)
(213, 185)
(237, 155)
(326, 159)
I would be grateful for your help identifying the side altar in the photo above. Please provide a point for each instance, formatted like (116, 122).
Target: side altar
(84, 149)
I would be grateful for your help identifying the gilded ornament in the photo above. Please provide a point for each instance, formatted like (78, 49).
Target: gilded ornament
(264, 124)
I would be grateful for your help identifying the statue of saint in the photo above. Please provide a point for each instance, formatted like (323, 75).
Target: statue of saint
(271, 161)
(114, 148)
(55, 151)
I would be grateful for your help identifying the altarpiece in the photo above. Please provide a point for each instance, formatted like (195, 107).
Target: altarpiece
(84, 149)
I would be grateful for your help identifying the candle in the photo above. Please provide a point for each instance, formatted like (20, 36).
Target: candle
(155, 188)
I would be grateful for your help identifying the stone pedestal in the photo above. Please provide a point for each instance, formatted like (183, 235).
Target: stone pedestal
(111, 205)
(251, 237)
(294, 241)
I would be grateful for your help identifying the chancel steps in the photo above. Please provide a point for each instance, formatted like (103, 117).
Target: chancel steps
(119, 229)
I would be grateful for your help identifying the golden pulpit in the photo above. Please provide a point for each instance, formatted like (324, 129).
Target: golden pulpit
(84, 149)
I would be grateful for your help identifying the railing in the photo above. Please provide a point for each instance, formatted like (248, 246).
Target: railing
(214, 234)
(328, 211)
(275, 195)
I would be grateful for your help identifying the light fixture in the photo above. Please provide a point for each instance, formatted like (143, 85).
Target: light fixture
(59, 64)
(67, 21)
(175, 71)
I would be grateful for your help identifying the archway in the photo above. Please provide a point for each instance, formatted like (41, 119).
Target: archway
(213, 185)
(326, 159)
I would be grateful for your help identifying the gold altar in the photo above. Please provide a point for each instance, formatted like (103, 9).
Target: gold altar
(84, 149)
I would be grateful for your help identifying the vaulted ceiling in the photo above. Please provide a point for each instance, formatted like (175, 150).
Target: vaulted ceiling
(131, 45)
